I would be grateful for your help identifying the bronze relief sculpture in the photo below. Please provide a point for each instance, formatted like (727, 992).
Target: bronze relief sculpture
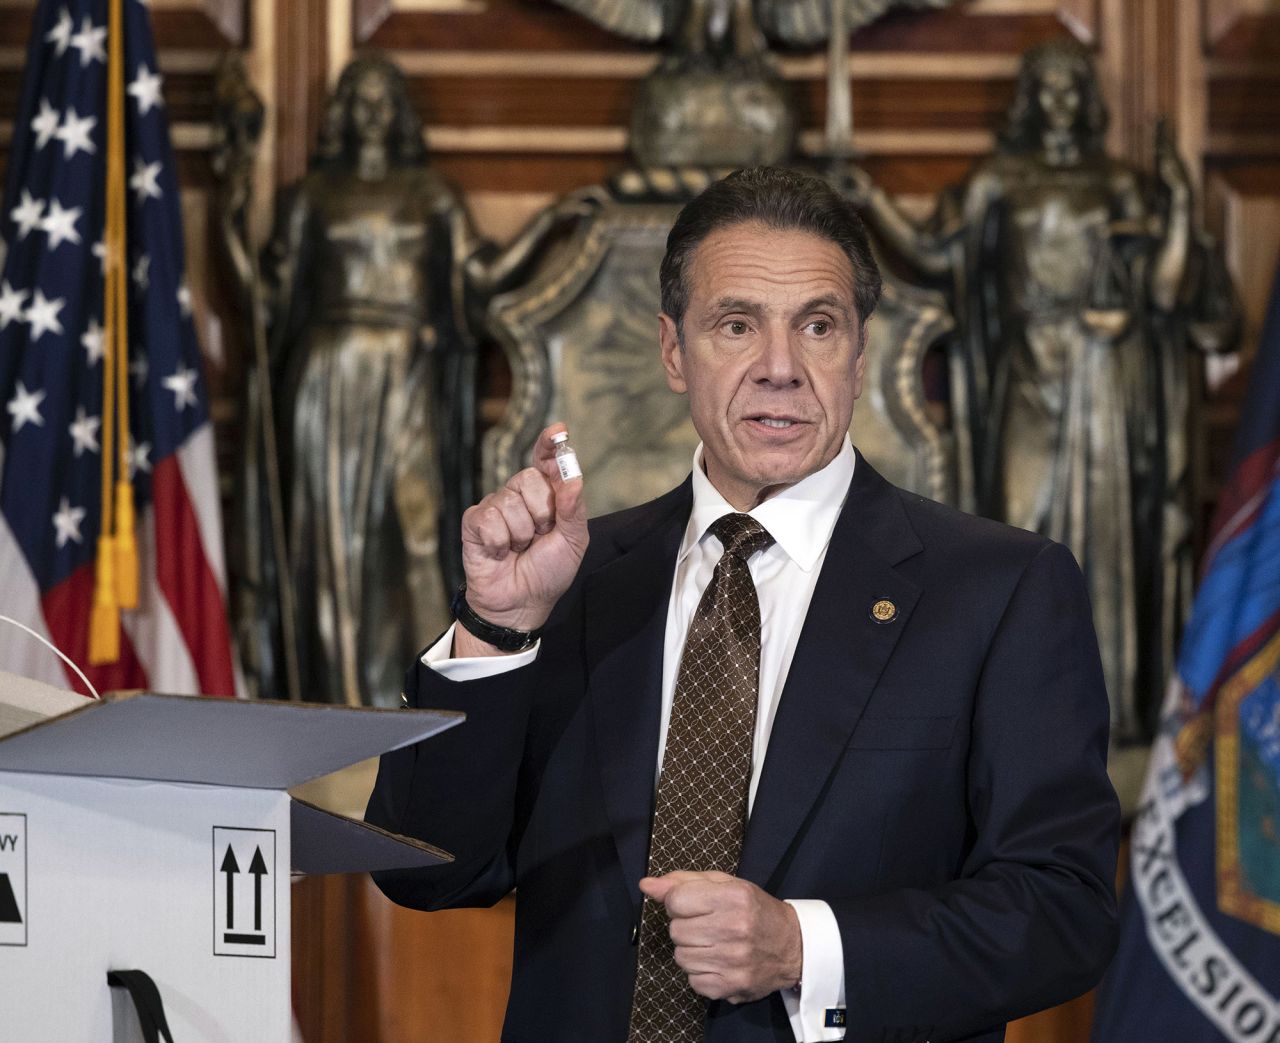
(371, 365)
(716, 98)
(1079, 287)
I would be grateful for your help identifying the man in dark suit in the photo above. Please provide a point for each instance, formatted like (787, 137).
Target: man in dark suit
(788, 753)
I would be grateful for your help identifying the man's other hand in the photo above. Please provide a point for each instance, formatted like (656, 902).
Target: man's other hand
(734, 941)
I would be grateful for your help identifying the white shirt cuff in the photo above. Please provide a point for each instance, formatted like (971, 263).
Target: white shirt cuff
(472, 668)
(821, 975)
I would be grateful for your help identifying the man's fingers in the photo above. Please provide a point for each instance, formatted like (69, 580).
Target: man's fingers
(509, 519)
(694, 931)
(700, 897)
(538, 495)
(656, 887)
(485, 527)
(516, 514)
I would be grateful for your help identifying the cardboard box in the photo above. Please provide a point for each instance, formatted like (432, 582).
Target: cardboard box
(154, 832)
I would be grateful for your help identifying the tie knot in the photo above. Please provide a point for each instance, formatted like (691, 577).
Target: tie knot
(741, 535)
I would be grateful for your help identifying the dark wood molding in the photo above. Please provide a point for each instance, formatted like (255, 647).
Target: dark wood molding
(580, 101)
(301, 69)
(218, 25)
(520, 25)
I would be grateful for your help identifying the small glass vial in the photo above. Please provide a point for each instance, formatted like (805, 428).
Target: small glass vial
(566, 458)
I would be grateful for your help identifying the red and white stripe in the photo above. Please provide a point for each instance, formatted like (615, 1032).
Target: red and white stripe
(178, 639)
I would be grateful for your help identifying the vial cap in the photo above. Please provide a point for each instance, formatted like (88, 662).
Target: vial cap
(559, 436)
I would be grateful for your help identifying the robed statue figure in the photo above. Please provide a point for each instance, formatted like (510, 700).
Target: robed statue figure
(1077, 285)
(371, 371)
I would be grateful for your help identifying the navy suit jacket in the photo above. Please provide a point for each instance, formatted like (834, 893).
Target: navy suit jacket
(939, 779)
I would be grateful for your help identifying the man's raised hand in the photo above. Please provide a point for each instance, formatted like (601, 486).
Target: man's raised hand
(521, 547)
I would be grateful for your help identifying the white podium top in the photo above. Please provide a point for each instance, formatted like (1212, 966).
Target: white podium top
(215, 742)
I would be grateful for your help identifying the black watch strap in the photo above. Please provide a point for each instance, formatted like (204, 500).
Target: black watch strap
(504, 638)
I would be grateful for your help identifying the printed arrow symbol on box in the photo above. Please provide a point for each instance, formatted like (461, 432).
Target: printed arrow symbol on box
(231, 867)
(258, 868)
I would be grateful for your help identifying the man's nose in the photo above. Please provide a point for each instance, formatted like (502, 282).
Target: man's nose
(777, 362)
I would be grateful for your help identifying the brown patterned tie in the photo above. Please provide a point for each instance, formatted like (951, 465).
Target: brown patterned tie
(700, 813)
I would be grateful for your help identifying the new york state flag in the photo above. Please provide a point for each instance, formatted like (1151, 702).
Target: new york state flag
(1199, 955)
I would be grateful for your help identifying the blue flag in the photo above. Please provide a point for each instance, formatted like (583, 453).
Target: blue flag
(1199, 955)
(51, 372)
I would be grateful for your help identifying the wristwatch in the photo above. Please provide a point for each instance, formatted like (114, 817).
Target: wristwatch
(505, 639)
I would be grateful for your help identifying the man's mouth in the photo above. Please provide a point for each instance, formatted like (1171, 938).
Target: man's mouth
(778, 422)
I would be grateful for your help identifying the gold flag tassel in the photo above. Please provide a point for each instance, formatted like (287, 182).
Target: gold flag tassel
(117, 497)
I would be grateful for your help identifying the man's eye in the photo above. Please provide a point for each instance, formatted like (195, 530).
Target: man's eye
(820, 327)
(736, 327)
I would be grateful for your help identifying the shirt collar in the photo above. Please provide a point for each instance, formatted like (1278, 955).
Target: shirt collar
(800, 518)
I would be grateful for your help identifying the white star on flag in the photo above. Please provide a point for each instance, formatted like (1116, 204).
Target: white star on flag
(145, 88)
(67, 522)
(24, 407)
(103, 254)
(60, 224)
(184, 298)
(144, 180)
(11, 301)
(60, 34)
(84, 432)
(43, 315)
(46, 123)
(89, 42)
(138, 369)
(142, 272)
(74, 133)
(92, 342)
(183, 386)
(26, 215)
(139, 457)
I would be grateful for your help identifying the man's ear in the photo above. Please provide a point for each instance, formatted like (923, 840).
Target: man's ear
(672, 353)
(860, 363)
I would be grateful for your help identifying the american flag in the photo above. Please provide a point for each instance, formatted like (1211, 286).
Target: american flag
(51, 374)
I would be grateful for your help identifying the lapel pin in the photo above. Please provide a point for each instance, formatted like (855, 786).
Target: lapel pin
(884, 611)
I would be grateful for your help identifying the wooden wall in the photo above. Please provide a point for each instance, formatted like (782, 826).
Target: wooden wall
(525, 101)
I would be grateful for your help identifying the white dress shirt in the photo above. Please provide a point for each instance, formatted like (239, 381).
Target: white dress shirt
(801, 519)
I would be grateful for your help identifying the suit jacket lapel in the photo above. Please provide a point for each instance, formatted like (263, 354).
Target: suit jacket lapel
(626, 619)
(839, 658)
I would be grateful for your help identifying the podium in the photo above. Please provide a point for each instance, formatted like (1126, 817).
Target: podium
(154, 833)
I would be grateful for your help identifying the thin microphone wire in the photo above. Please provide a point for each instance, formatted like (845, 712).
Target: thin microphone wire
(56, 651)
